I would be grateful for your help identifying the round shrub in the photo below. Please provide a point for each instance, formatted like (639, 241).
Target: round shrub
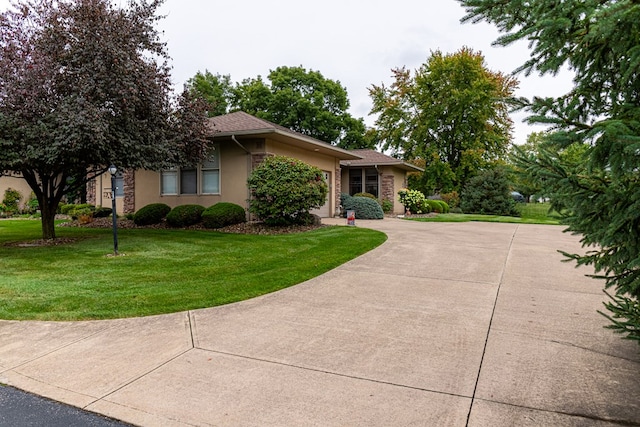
(387, 205)
(101, 212)
(438, 206)
(223, 214)
(413, 201)
(365, 208)
(284, 190)
(369, 195)
(12, 199)
(151, 214)
(185, 215)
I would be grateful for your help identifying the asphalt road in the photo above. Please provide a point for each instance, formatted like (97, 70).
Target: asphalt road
(21, 409)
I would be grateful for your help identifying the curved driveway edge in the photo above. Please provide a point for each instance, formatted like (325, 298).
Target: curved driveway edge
(448, 324)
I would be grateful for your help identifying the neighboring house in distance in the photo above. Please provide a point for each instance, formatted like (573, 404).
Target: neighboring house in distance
(377, 174)
(242, 141)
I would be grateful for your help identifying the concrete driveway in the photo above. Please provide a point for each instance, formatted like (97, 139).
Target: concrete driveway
(468, 324)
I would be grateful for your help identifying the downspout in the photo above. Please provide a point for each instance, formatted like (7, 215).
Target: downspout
(379, 181)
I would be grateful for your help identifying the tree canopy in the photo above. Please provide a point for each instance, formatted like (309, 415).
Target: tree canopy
(452, 113)
(599, 41)
(85, 84)
(299, 99)
(215, 89)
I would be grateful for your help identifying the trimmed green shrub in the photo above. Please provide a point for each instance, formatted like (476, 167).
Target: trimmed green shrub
(32, 206)
(11, 200)
(101, 212)
(452, 199)
(185, 215)
(387, 205)
(151, 214)
(413, 201)
(369, 195)
(438, 206)
(223, 214)
(64, 209)
(488, 193)
(284, 190)
(365, 207)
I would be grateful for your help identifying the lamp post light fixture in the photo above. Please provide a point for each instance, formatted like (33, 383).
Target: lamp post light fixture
(113, 170)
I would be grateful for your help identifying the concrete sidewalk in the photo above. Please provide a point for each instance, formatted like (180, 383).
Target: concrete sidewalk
(445, 324)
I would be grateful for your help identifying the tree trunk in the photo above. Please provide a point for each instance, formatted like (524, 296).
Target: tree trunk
(48, 221)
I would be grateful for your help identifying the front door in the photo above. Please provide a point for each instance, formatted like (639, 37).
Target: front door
(324, 211)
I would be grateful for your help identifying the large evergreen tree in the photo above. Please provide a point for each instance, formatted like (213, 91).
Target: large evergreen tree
(599, 41)
(452, 114)
(85, 84)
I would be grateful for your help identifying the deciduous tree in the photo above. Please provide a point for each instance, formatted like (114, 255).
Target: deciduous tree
(216, 90)
(305, 101)
(452, 113)
(85, 84)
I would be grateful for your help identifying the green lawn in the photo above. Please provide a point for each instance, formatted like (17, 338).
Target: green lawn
(162, 271)
(530, 213)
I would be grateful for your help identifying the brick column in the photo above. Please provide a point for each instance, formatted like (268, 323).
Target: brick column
(91, 192)
(129, 180)
(388, 190)
(338, 190)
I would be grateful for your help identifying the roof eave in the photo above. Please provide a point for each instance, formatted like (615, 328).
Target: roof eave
(314, 144)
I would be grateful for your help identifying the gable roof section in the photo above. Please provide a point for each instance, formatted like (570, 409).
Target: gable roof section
(243, 125)
(374, 158)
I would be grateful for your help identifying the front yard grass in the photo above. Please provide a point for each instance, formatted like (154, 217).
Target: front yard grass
(162, 271)
(530, 213)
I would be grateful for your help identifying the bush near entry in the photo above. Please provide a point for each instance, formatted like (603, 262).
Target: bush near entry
(364, 207)
(284, 190)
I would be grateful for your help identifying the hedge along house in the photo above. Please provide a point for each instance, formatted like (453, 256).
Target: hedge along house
(241, 142)
(378, 174)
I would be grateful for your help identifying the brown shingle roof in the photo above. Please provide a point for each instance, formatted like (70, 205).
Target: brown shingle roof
(373, 158)
(240, 121)
(241, 124)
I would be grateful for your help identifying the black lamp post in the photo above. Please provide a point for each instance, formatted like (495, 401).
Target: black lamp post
(113, 170)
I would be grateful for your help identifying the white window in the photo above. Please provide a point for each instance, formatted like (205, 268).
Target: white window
(210, 172)
(169, 182)
(200, 179)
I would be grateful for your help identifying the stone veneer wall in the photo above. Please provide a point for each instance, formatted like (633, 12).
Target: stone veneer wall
(338, 190)
(91, 192)
(388, 190)
(129, 180)
(258, 158)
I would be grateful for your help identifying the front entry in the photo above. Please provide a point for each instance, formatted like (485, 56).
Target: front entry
(324, 211)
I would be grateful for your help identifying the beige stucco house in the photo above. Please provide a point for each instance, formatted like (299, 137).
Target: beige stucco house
(15, 182)
(377, 174)
(241, 142)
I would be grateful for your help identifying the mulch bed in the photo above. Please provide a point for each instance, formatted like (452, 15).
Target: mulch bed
(243, 228)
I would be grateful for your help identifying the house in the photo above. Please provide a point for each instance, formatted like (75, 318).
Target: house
(377, 174)
(241, 142)
(15, 182)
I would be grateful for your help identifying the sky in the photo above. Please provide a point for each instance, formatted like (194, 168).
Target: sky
(355, 42)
